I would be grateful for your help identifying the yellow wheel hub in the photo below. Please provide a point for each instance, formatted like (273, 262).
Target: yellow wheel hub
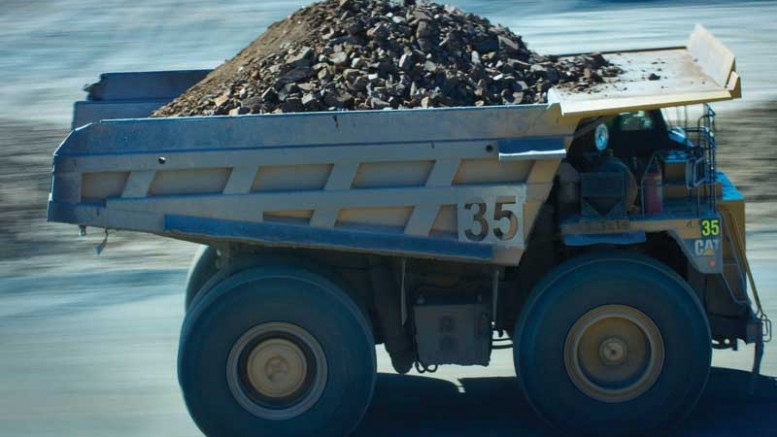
(614, 353)
(276, 368)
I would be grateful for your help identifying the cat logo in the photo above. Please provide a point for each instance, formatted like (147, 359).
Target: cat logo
(706, 247)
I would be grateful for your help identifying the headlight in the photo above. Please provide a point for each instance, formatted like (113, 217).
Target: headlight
(601, 137)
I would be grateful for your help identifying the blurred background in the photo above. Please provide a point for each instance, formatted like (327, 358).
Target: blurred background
(88, 343)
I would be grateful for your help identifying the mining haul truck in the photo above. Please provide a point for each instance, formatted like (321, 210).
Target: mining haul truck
(593, 235)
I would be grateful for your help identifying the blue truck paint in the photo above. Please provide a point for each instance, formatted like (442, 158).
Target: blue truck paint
(619, 239)
(291, 235)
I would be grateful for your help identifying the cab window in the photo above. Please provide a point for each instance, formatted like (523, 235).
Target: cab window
(635, 121)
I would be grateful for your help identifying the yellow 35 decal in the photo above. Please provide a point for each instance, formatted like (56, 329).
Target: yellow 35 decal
(710, 227)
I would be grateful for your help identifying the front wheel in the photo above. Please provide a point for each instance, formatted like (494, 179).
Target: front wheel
(276, 352)
(612, 344)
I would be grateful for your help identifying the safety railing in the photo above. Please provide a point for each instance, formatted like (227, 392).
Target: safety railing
(701, 173)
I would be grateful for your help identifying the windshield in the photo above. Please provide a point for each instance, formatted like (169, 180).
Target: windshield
(635, 121)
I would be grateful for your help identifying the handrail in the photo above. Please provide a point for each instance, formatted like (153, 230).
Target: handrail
(731, 224)
(706, 145)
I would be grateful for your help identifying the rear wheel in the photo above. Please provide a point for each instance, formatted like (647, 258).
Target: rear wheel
(202, 269)
(276, 352)
(612, 344)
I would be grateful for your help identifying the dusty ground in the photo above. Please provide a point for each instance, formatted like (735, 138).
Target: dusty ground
(748, 154)
(29, 245)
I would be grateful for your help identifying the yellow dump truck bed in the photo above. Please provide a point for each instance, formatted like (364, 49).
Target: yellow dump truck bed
(463, 184)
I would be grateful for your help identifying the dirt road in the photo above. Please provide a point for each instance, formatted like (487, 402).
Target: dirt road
(95, 355)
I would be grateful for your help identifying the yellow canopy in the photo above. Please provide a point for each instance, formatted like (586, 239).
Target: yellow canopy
(704, 71)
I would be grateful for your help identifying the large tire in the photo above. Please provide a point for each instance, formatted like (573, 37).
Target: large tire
(202, 269)
(276, 352)
(612, 344)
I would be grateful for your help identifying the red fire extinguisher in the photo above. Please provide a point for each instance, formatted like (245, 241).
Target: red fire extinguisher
(653, 188)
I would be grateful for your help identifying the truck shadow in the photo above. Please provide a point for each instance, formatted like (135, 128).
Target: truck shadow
(420, 406)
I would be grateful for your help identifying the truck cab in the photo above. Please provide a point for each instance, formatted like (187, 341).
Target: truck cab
(636, 166)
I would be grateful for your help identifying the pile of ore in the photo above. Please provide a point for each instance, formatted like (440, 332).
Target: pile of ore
(381, 54)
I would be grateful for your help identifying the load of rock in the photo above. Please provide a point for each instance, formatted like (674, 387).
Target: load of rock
(381, 54)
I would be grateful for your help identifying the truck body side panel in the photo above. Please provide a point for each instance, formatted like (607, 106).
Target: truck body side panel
(459, 184)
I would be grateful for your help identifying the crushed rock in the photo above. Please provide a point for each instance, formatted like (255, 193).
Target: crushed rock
(381, 54)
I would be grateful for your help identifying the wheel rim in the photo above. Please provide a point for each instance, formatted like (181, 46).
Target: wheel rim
(614, 353)
(277, 370)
